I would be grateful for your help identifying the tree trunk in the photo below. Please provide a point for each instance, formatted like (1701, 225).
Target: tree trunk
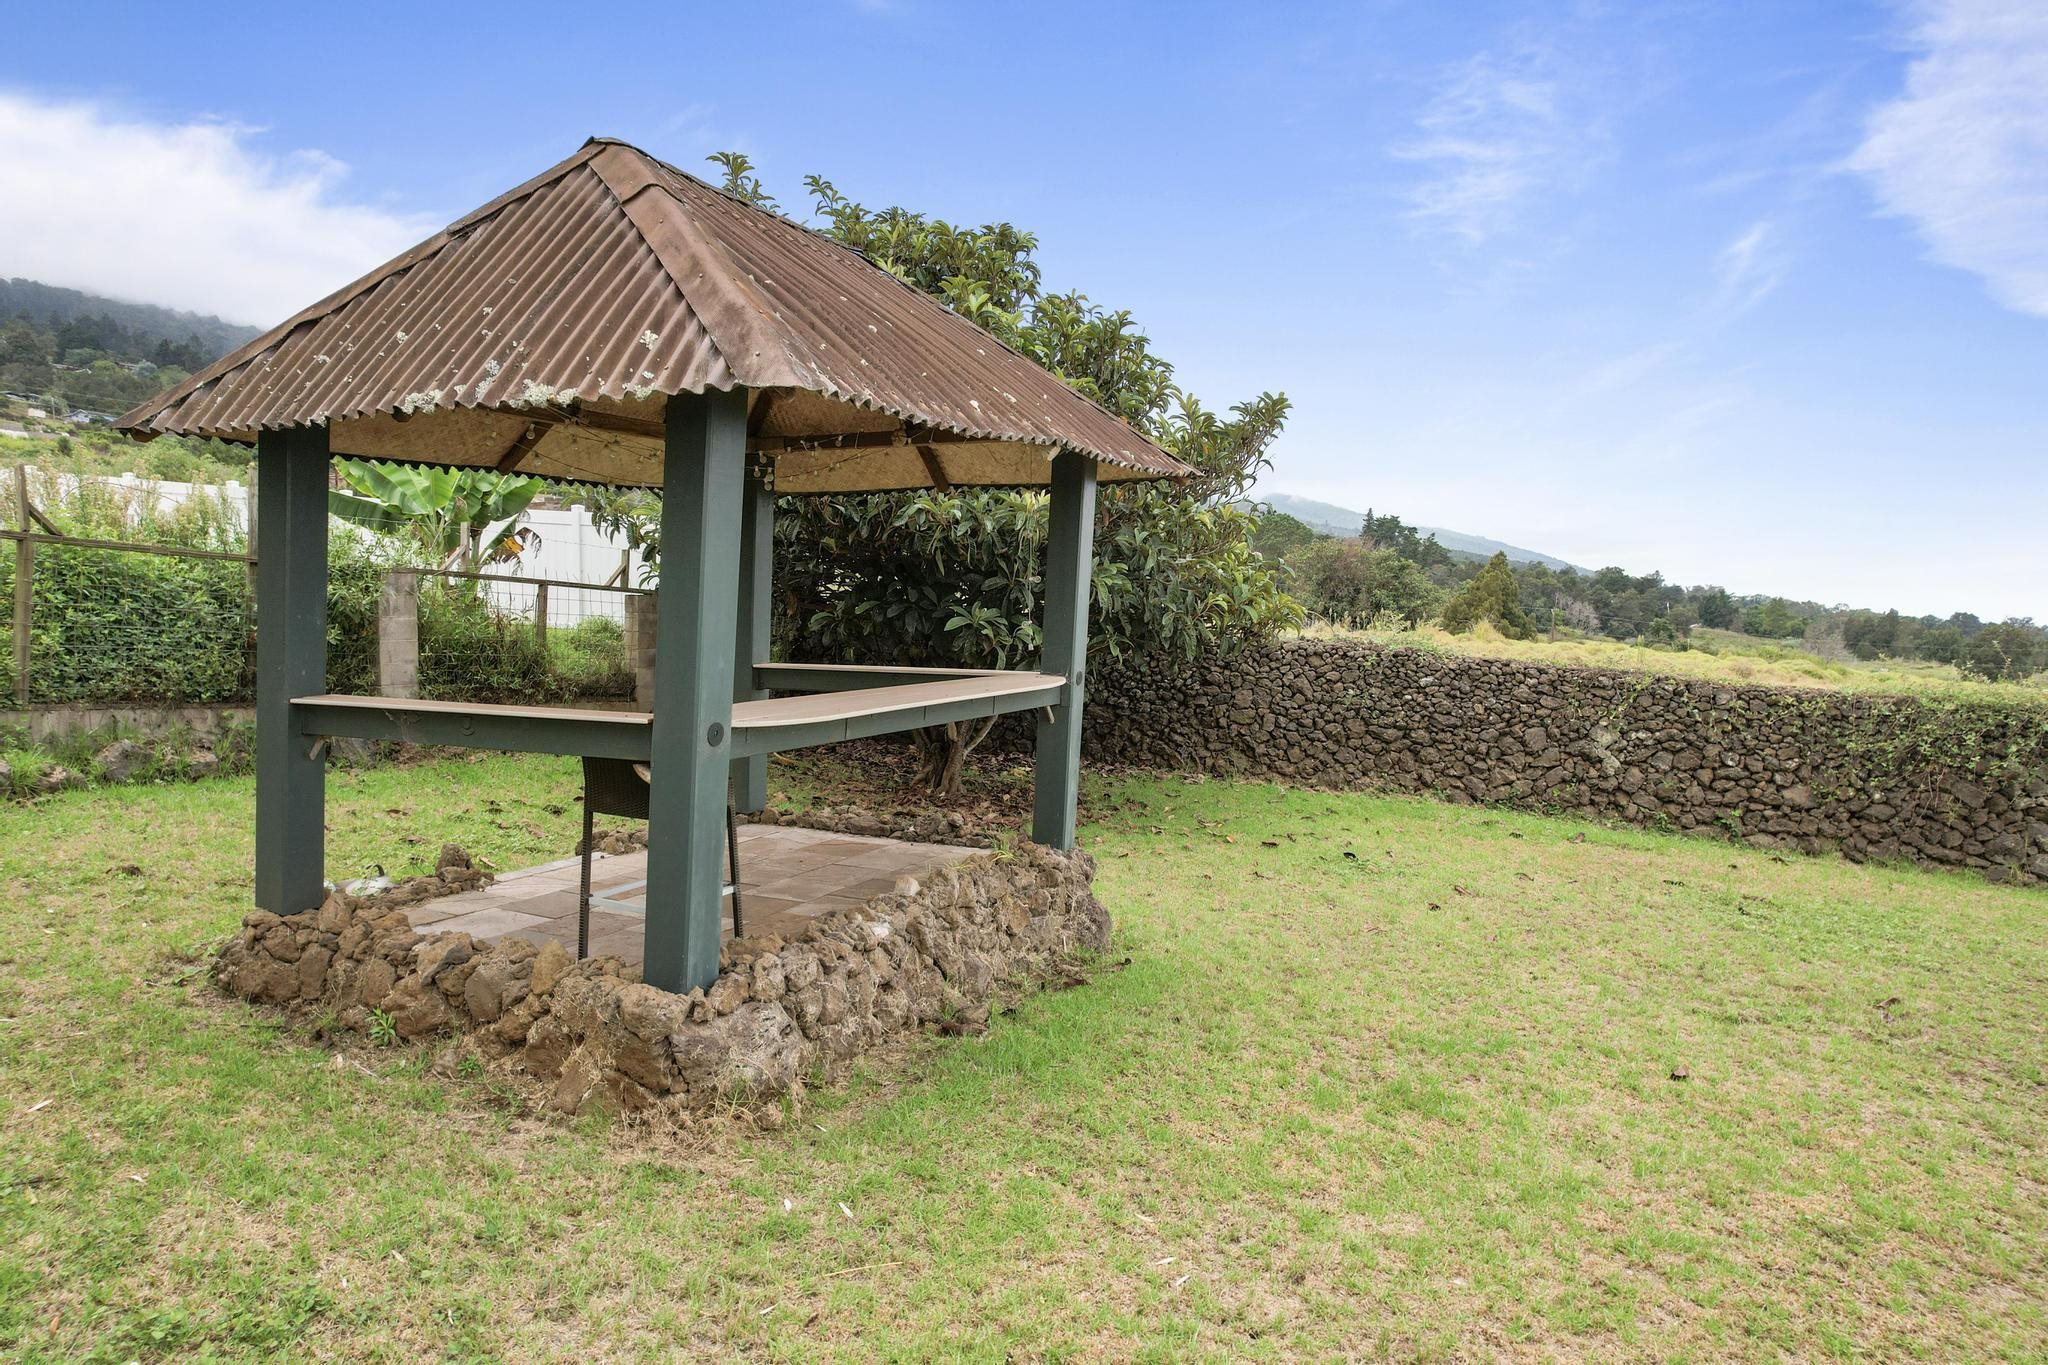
(942, 752)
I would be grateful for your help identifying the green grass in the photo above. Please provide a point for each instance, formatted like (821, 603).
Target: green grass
(1416, 1102)
(1720, 656)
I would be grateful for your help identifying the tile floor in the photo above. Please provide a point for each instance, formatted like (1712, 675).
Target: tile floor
(788, 876)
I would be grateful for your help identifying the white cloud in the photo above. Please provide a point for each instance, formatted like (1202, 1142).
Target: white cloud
(1625, 371)
(1748, 269)
(187, 215)
(1496, 136)
(1963, 152)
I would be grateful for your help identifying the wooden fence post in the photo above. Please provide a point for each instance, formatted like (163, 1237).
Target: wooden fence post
(398, 635)
(540, 615)
(24, 585)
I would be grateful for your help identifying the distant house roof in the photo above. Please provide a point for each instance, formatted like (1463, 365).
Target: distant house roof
(543, 331)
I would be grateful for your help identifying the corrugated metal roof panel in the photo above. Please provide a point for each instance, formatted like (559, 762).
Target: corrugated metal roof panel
(609, 281)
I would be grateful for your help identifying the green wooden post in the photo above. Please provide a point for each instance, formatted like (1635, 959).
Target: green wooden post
(696, 605)
(1069, 572)
(291, 661)
(751, 641)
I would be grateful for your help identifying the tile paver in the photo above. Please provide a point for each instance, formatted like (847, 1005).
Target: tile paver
(788, 876)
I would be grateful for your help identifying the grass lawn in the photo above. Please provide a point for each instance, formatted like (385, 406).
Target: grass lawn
(1381, 1076)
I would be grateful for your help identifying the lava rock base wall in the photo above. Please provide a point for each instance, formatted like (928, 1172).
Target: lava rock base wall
(779, 1014)
(1939, 783)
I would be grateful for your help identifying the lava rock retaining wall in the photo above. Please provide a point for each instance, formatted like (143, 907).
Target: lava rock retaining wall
(778, 1014)
(1958, 784)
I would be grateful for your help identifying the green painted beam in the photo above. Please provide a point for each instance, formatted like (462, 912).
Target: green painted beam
(1069, 564)
(775, 739)
(690, 751)
(291, 661)
(751, 638)
(627, 738)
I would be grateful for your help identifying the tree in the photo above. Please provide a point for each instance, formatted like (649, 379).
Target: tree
(464, 518)
(1279, 535)
(1575, 613)
(1717, 609)
(1343, 581)
(1941, 644)
(2005, 652)
(1391, 533)
(21, 344)
(1773, 619)
(1492, 595)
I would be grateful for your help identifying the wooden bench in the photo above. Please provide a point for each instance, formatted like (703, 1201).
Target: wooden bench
(758, 727)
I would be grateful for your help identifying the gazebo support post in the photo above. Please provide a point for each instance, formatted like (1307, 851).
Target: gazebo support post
(1069, 561)
(291, 661)
(696, 606)
(751, 644)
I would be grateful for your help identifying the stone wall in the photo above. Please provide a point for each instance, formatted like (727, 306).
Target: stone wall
(594, 1036)
(1956, 784)
(45, 723)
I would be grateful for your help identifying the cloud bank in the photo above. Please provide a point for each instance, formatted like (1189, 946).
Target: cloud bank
(1962, 153)
(186, 215)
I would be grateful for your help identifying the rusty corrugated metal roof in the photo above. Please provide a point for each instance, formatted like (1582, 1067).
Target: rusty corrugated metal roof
(543, 331)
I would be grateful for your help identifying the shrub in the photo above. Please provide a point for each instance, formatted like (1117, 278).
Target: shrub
(1494, 596)
(113, 626)
(590, 658)
(1342, 581)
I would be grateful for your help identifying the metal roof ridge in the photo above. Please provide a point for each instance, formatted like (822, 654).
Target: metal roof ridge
(828, 240)
(736, 318)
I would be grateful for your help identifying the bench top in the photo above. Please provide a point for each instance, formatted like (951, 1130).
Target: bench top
(747, 715)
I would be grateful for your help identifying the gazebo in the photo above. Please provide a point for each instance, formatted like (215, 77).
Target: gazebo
(616, 321)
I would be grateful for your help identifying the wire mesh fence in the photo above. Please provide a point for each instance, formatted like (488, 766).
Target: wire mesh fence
(497, 637)
(117, 597)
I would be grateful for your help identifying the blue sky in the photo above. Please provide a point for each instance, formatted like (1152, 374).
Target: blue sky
(1754, 294)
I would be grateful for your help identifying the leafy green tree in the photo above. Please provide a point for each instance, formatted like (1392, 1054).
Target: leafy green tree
(1773, 620)
(464, 518)
(1941, 644)
(1279, 535)
(1718, 610)
(21, 344)
(1391, 533)
(2005, 652)
(1492, 595)
(1343, 581)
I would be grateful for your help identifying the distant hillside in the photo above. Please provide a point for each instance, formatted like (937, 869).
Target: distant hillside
(48, 307)
(1342, 521)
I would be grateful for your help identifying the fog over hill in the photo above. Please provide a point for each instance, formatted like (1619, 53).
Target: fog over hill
(49, 305)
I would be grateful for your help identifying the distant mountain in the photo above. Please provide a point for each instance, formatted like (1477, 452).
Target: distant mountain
(49, 306)
(1342, 521)
(1481, 547)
